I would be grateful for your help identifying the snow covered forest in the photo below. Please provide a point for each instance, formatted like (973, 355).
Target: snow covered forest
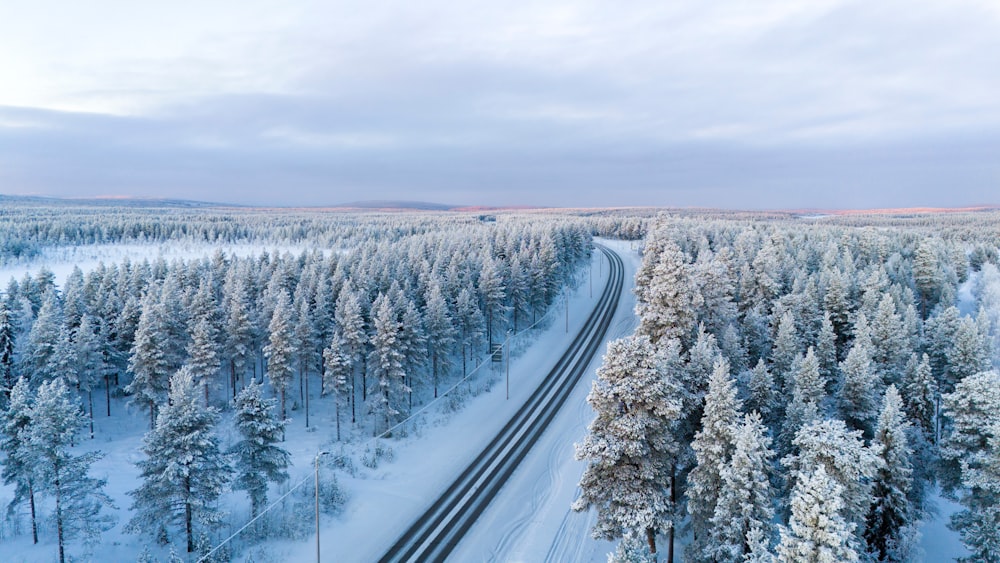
(797, 388)
(377, 314)
(802, 389)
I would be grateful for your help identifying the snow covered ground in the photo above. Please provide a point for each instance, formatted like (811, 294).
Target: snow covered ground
(60, 260)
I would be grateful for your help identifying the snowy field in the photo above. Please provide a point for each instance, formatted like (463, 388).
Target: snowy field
(61, 260)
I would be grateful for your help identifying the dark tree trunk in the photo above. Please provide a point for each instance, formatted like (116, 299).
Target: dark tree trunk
(673, 502)
(34, 518)
(188, 527)
(59, 522)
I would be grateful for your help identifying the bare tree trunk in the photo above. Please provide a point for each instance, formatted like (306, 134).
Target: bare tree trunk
(107, 392)
(651, 540)
(336, 404)
(188, 527)
(90, 400)
(59, 522)
(307, 398)
(673, 502)
(34, 519)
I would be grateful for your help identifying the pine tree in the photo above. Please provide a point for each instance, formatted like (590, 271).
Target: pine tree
(440, 333)
(713, 447)
(148, 361)
(37, 358)
(971, 410)
(940, 331)
(386, 361)
(19, 467)
(890, 347)
(787, 347)
(184, 472)
(979, 524)
(352, 328)
(493, 293)
(761, 392)
(470, 321)
(258, 458)
(743, 512)
(890, 511)
(630, 447)
(968, 353)
(413, 344)
(927, 274)
(6, 354)
(239, 331)
(846, 460)
(920, 394)
(667, 307)
(857, 394)
(55, 419)
(337, 375)
(816, 532)
(203, 355)
(280, 348)
(91, 362)
(826, 350)
(807, 392)
(305, 344)
(758, 546)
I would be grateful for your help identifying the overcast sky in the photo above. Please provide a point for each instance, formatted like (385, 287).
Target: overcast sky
(763, 104)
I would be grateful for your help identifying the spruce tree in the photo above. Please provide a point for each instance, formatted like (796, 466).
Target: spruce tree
(148, 361)
(440, 334)
(920, 394)
(7, 336)
(713, 447)
(630, 446)
(203, 355)
(259, 460)
(857, 394)
(43, 339)
(352, 327)
(471, 323)
(280, 348)
(890, 511)
(184, 472)
(91, 361)
(761, 391)
(807, 393)
(787, 347)
(386, 364)
(337, 375)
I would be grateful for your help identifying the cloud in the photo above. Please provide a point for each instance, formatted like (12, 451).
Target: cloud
(770, 104)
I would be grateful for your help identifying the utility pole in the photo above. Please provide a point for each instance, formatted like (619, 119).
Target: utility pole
(317, 503)
(566, 299)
